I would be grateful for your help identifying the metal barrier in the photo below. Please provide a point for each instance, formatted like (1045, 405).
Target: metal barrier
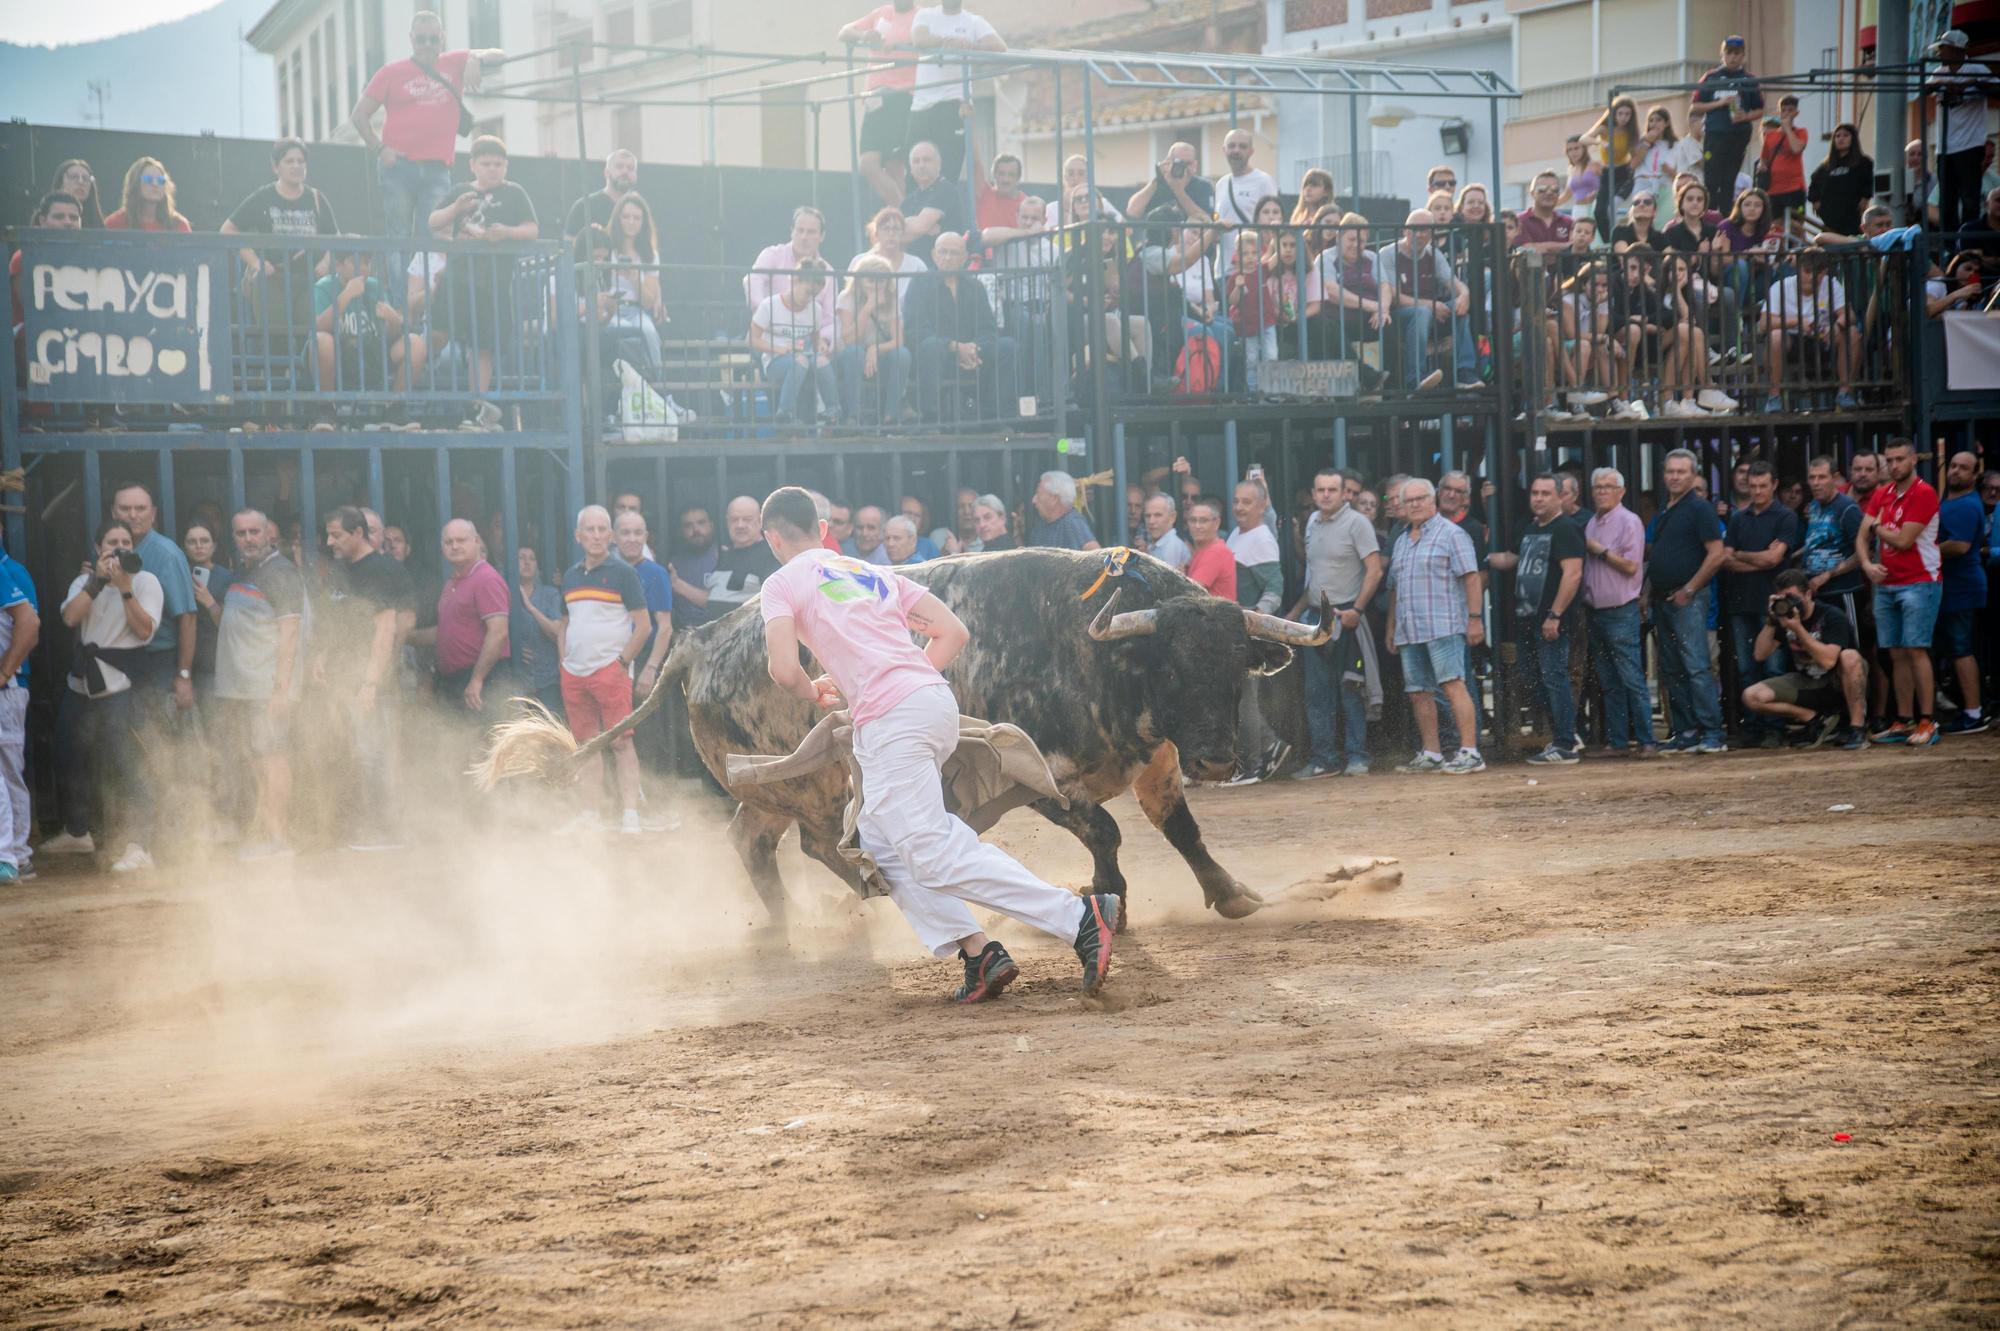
(1279, 312)
(686, 352)
(1668, 335)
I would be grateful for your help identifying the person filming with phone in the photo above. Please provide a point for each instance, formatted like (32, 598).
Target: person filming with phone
(115, 604)
(1829, 679)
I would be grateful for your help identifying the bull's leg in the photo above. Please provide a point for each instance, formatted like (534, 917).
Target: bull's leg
(1159, 791)
(1098, 831)
(823, 844)
(755, 832)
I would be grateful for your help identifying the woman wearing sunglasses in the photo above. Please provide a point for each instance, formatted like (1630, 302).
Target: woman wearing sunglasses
(149, 201)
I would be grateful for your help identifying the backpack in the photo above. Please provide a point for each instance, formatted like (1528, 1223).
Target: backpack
(1198, 367)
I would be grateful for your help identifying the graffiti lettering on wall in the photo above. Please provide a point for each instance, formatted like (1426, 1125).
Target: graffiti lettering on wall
(107, 326)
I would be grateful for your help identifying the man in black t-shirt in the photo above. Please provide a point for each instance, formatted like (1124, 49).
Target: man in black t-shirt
(742, 564)
(288, 206)
(621, 177)
(360, 646)
(1729, 97)
(476, 306)
(934, 205)
(1548, 590)
(1762, 536)
(1829, 679)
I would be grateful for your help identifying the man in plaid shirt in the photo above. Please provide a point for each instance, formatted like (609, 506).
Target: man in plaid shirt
(1434, 613)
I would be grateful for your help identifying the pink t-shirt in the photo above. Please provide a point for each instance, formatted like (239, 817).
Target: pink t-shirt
(855, 617)
(422, 119)
(894, 28)
(464, 605)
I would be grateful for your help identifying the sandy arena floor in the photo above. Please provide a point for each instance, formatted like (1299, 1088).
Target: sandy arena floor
(1585, 1067)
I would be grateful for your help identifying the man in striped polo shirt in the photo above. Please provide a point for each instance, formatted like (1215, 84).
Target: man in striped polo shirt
(604, 628)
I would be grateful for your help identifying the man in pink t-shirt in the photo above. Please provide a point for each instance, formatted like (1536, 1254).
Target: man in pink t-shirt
(471, 632)
(856, 618)
(423, 96)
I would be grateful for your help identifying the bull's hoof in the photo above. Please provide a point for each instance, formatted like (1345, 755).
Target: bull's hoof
(1235, 901)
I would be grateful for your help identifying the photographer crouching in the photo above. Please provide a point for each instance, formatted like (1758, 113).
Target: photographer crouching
(1830, 679)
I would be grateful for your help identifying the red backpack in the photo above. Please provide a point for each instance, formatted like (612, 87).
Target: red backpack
(1199, 366)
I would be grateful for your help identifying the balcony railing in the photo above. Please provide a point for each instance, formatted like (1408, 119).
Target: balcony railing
(1595, 92)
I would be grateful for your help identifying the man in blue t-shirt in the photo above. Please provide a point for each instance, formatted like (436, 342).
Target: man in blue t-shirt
(1963, 532)
(20, 628)
(1827, 555)
(1056, 522)
(1685, 552)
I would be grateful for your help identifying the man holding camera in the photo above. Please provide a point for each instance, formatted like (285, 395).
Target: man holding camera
(1828, 670)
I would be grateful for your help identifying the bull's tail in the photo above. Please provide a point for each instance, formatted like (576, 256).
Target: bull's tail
(537, 745)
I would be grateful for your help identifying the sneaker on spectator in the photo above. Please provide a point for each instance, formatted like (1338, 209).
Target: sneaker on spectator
(1890, 732)
(1587, 397)
(1923, 734)
(486, 416)
(1462, 762)
(1553, 756)
(1851, 738)
(629, 825)
(1965, 725)
(1430, 381)
(1677, 746)
(133, 860)
(1845, 400)
(1467, 385)
(9, 875)
(1355, 767)
(1314, 771)
(1774, 405)
(1424, 762)
(1709, 746)
(1714, 399)
(62, 843)
(1621, 410)
(1558, 415)
(1249, 776)
(1816, 732)
(1638, 411)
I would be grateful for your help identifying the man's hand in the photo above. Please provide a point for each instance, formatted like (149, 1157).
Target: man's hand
(1462, 306)
(389, 156)
(1876, 573)
(183, 693)
(474, 695)
(1475, 632)
(1681, 597)
(1350, 619)
(644, 683)
(1181, 467)
(1817, 581)
(1389, 635)
(1551, 629)
(868, 364)
(826, 693)
(968, 355)
(355, 289)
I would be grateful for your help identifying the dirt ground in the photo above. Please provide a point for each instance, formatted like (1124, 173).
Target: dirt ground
(1584, 1067)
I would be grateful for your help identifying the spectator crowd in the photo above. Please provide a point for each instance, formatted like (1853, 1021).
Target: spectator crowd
(1735, 263)
(319, 691)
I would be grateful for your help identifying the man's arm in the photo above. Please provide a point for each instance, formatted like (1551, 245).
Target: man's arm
(363, 121)
(490, 648)
(1371, 579)
(1767, 642)
(1717, 553)
(1903, 537)
(27, 632)
(288, 655)
(947, 634)
(381, 649)
(685, 590)
(781, 660)
(1755, 561)
(1572, 579)
(663, 638)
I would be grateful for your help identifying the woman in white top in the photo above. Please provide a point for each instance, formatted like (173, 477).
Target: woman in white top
(634, 276)
(885, 239)
(1076, 173)
(873, 363)
(115, 605)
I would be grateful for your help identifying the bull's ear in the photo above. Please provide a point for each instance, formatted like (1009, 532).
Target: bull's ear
(1268, 658)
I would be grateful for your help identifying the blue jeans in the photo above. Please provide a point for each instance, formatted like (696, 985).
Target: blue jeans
(1749, 670)
(1327, 695)
(1413, 325)
(1691, 691)
(411, 192)
(1907, 616)
(1621, 669)
(790, 374)
(881, 396)
(1547, 665)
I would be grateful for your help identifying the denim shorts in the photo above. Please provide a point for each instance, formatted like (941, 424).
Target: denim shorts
(1429, 664)
(1905, 616)
(1956, 633)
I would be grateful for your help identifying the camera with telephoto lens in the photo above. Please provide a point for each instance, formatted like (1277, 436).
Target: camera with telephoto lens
(129, 561)
(1781, 608)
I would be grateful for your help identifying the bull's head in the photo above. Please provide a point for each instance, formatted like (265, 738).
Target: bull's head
(1196, 651)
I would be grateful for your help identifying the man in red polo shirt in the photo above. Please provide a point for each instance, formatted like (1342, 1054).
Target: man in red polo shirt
(1542, 227)
(1213, 565)
(1901, 517)
(424, 97)
(471, 632)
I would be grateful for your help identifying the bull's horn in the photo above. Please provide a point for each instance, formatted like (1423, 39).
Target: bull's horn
(1110, 627)
(1271, 628)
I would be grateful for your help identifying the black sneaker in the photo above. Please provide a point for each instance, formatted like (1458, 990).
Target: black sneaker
(985, 975)
(1816, 732)
(1093, 938)
(1851, 737)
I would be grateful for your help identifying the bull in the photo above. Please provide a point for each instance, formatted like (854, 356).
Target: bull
(1138, 694)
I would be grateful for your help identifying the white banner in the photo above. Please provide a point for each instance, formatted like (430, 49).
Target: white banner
(1971, 351)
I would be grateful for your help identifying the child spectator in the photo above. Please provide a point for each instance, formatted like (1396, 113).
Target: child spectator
(1783, 159)
(359, 333)
(1253, 304)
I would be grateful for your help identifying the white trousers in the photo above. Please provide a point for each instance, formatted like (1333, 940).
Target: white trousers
(16, 816)
(933, 862)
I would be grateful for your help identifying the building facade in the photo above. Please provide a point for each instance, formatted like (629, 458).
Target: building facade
(1384, 145)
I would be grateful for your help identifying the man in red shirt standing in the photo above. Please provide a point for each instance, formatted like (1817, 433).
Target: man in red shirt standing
(1901, 516)
(1784, 158)
(1213, 565)
(424, 99)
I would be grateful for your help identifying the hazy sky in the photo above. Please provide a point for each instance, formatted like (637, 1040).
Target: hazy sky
(37, 22)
